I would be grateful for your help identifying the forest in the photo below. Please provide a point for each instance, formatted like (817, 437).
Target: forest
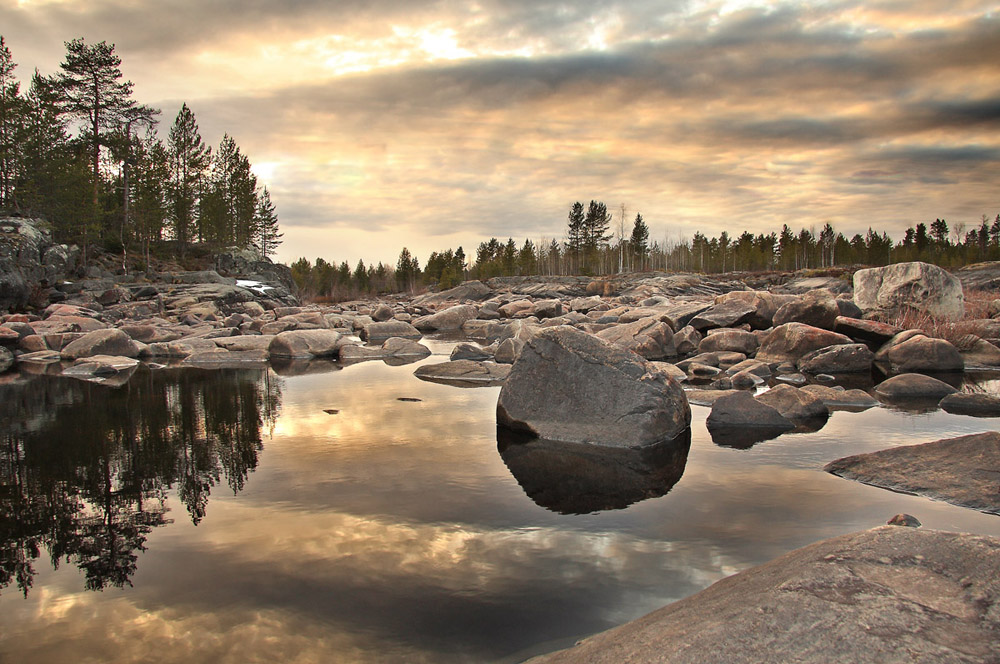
(598, 242)
(77, 150)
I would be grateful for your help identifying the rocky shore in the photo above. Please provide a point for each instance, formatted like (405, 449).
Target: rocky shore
(590, 364)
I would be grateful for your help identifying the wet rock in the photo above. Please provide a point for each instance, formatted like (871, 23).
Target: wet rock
(791, 341)
(101, 342)
(885, 595)
(920, 354)
(913, 386)
(976, 405)
(378, 332)
(817, 308)
(961, 471)
(464, 373)
(451, 318)
(738, 341)
(793, 403)
(919, 286)
(845, 358)
(568, 385)
(649, 337)
(741, 410)
(304, 344)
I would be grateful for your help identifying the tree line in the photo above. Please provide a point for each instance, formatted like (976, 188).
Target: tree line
(591, 247)
(114, 181)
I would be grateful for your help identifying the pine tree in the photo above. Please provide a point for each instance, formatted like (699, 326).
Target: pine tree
(595, 231)
(10, 121)
(575, 234)
(189, 158)
(268, 237)
(639, 241)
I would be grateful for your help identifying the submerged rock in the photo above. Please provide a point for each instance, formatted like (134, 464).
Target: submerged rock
(962, 471)
(571, 386)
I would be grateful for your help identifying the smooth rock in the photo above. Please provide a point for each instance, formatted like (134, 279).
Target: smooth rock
(571, 386)
(451, 318)
(791, 341)
(378, 332)
(976, 405)
(649, 337)
(793, 403)
(725, 314)
(101, 342)
(921, 354)
(841, 399)
(845, 358)
(868, 331)
(740, 409)
(464, 373)
(917, 285)
(738, 341)
(913, 386)
(467, 351)
(817, 308)
(304, 344)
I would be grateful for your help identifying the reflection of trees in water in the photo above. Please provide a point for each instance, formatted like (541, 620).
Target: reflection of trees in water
(84, 469)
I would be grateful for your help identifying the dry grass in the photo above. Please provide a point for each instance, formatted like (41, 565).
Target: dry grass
(977, 305)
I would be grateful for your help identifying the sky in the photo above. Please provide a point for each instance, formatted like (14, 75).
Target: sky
(379, 124)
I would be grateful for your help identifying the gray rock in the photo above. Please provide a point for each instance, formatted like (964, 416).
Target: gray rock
(919, 286)
(765, 305)
(467, 290)
(180, 348)
(304, 344)
(394, 347)
(516, 307)
(382, 313)
(889, 595)
(961, 471)
(793, 403)
(976, 405)
(919, 353)
(707, 397)
(649, 337)
(101, 342)
(817, 308)
(451, 318)
(464, 373)
(742, 410)
(725, 314)
(845, 358)
(548, 309)
(509, 350)
(791, 341)
(568, 385)
(220, 358)
(378, 332)
(467, 351)
(686, 340)
(6, 359)
(245, 342)
(737, 341)
(913, 386)
(101, 368)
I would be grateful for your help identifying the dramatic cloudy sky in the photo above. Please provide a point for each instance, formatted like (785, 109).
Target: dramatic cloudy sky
(383, 123)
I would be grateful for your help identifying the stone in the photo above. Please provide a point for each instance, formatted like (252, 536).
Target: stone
(382, 313)
(220, 358)
(98, 368)
(841, 399)
(180, 348)
(791, 341)
(765, 305)
(976, 405)
(516, 307)
(740, 409)
(101, 342)
(304, 344)
(378, 332)
(817, 308)
(6, 359)
(921, 286)
(649, 337)
(467, 290)
(394, 347)
(905, 520)
(920, 354)
(149, 334)
(890, 595)
(451, 318)
(467, 351)
(706, 397)
(738, 341)
(725, 314)
(508, 350)
(961, 471)
(570, 386)
(844, 358)
(848, 309)
(977, 352)
(793, 403)
(464, 373)
(245, 342)
(548, 309)
(585, 304)
(686, 340)
(913, 386)
(671, 370)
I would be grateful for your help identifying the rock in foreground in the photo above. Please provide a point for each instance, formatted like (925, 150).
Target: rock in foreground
(962, 471)
(571, 386)
(885, 595)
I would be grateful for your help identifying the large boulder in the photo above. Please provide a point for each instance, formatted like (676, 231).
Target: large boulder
(649, 337)
(571, 386)
(101, 342)
(765, 305)
(737, 341)
(919, 353)
(741, 410)
(845, 358)
(23, 265)
(913, 386)
(451, 318)
(817, 308)
(306, 344)
(791, 341)
(378, 332)
(919, 286)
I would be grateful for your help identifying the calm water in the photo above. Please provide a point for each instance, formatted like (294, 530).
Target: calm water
(226, 517)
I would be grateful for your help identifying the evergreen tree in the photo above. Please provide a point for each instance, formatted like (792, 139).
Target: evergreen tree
(639, 241)
(406, 270)
(575, 233)
(189, 159)
(10, 121)
(595, 231)
(268, 237)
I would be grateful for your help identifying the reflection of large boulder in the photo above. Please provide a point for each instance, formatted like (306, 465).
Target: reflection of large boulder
(920, 286)
(569, 385)
(576, 478)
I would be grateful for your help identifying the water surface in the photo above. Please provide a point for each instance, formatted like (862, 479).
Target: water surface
(195, 516)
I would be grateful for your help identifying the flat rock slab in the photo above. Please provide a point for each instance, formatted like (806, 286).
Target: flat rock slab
(964, 471)
(888, 595)
(464, 373)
